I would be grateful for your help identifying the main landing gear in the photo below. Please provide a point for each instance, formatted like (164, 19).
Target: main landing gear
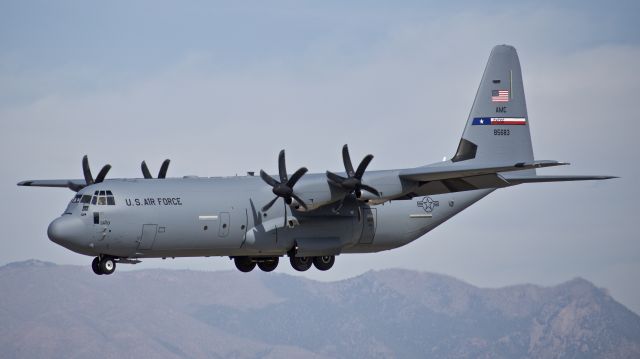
(103, 265)
(268, 264)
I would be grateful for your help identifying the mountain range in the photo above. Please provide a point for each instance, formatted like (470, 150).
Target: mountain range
(60, 311)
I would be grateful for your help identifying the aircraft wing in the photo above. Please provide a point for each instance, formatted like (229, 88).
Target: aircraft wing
(72, 184)
(439, 173)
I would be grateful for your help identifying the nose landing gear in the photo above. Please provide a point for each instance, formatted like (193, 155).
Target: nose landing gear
(103, 265)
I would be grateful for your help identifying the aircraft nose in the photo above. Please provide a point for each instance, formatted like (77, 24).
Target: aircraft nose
(66, 229)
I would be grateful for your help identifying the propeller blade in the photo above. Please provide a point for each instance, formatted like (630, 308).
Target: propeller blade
(88, 178)
(296, 176)
(164, 168)
(145, 170)
(339, 206)
(74, 187)
(103, 173)
(268, 205)
(285, 214)
(346, 159)
(370, 189)
(336, 179)
(282, 167)
(299, 200)
(270, 181)
(363, 166)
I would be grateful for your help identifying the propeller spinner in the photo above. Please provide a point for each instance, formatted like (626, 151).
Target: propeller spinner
(284, 188)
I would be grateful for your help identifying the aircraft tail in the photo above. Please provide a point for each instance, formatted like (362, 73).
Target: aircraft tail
(497, 129)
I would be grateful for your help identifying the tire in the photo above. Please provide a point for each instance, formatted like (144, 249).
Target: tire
(301, 264)
(107, 265)
(244, 264)
(269, 265)
(324, 263)
(95, 265)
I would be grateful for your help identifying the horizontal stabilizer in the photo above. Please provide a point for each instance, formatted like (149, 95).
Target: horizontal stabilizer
(514, 180)
(437, 173)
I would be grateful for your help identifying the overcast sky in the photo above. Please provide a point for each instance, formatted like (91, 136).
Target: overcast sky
(221, 87)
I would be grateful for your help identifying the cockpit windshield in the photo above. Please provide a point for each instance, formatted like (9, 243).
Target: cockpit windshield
(103, 198)
(99, 198)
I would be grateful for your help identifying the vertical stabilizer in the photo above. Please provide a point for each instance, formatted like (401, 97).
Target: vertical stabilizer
(497, 129)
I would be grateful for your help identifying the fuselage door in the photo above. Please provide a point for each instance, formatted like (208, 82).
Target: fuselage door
(149, 232)
(369, 222)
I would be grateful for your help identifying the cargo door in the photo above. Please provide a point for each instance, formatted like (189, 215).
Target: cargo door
(148, 236)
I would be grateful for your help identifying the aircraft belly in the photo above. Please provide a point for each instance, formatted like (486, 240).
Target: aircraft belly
(401, 222)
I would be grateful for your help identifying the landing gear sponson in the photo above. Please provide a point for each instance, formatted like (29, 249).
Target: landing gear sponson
(107, 265)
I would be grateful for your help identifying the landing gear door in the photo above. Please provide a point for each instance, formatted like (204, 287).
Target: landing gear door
(149, 232)
(369, 223)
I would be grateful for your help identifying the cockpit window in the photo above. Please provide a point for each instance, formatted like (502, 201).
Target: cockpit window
(103, 198)
(85, 198)
(76, 198)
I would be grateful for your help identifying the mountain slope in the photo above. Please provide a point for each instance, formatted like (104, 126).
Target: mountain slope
(66, 311)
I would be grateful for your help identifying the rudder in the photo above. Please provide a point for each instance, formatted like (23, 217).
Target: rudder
(497, 130)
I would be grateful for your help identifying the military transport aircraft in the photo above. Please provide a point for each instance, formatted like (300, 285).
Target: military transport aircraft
(311, 218)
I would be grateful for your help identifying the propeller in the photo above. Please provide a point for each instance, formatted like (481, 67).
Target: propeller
(161, 174)
(353, 182)
(88, 177)
(284, 188)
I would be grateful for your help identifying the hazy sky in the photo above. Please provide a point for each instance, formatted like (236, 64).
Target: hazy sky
(211, 85)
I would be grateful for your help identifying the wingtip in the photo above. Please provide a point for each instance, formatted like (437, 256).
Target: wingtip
(25, 183)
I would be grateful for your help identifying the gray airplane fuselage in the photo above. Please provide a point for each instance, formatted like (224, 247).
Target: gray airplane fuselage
(310, 218)
(222, 217)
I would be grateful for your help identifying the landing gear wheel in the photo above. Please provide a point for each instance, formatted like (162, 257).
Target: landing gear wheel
(95, 265)
(324, 263)
(107, 265)
(269, 265)
(301, 264)
(244, 264)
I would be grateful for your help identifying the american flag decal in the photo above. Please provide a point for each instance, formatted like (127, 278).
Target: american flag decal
(500, 96)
